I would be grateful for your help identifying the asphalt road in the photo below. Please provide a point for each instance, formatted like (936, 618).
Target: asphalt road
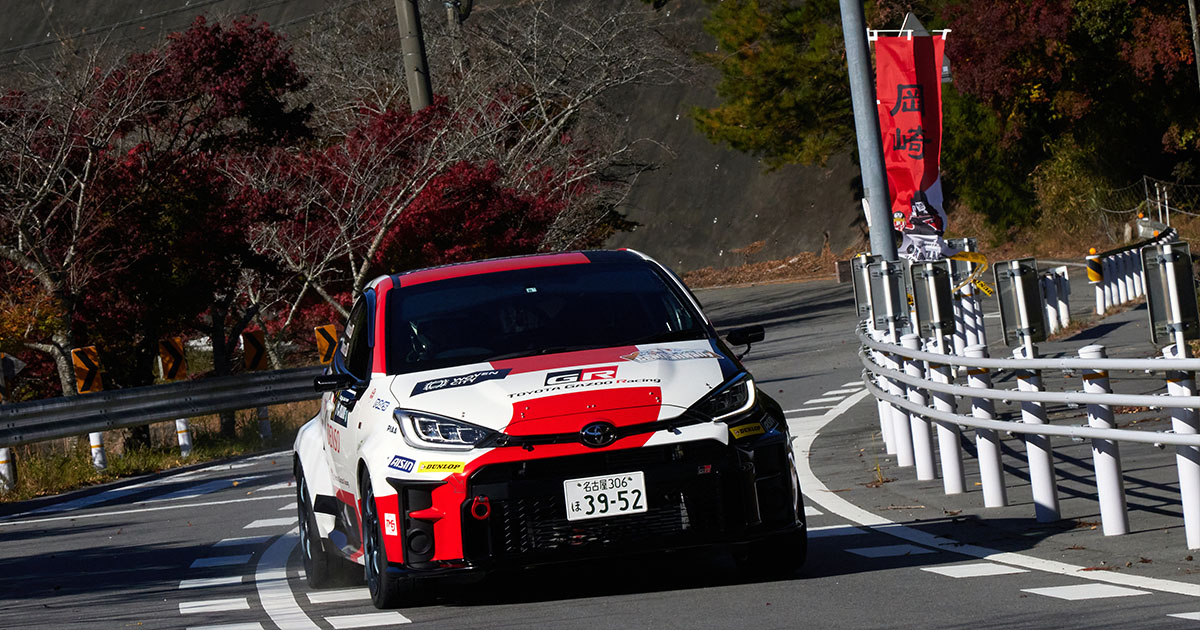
(214, 546)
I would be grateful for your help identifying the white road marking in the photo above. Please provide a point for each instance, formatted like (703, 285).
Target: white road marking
(890, 551)
(834, 530)
(220, 561)
(974, 569)
(287, 485)
(858, 384)
(843, 392)
(274, 593)
(204, 488)
(368, 620)
(213, 605)
(139, 510)
(812, 511)
(807, 409)
(341, 595)
(1192, 616)
(244, 540)
(224, 580)
(1077, 592)
(805, 434)
(290, 506)
(271, 522)
(827, 399)
(230, 626)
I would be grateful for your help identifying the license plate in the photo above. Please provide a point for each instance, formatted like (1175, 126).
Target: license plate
(606, 495)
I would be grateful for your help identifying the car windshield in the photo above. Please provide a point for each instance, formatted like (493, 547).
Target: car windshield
(533, 311)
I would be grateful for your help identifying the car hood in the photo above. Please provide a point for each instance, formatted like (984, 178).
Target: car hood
(559, 393)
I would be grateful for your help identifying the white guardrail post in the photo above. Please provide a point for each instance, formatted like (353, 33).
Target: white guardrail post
(1110, 279)
(922, 434)
(885, 410)
(1122, 278)
(1049, 304)
(1037, 447)
(1063, 281)
(970, 323)
(1187, 458)
(1095, 276)
(901, 429)
(948, 433)
(960, 323)
(980, 323)
(987, 442)
(1106, 454)
(8, 470)
(99, 459)
(184, 433)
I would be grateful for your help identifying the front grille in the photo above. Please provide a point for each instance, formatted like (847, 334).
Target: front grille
(528, 520)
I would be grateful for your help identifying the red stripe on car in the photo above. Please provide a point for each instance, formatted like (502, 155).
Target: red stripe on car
(491, 266)
(568, 413)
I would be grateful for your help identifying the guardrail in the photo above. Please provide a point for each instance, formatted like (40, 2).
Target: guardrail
(39, 420)
(922, 395)
(1117, 273)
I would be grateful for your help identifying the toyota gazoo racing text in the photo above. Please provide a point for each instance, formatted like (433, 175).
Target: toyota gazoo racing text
(512, 412)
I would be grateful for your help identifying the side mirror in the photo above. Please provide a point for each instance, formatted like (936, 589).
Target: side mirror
(745, 336)
(334, 381)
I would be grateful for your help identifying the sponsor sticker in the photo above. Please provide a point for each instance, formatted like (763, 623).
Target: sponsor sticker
(403, 464)
(434, 467)
(459, 381)
(382, 404)
(746, 430)
(389, 525)
(586, 374)
(669, 354)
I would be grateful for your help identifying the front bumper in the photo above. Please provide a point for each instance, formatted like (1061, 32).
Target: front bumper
(698, 493)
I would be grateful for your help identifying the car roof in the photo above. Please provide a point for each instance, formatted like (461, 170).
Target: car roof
(511, 263)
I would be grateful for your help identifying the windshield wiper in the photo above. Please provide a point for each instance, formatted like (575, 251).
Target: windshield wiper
(670, 335)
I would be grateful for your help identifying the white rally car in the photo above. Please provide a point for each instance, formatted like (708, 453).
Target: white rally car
(517, 411)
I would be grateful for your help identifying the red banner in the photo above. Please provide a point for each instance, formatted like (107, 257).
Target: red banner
(909, 88)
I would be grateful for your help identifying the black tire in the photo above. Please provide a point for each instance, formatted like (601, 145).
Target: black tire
(318, 570)
(776, 557)
(386, 591)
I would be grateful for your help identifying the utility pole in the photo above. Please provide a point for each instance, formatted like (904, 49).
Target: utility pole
(412, 42)
(866, 128)
(1195, 39)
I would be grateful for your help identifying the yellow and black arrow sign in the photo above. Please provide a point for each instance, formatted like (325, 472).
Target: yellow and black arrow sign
(174, 366)
(326, 342)
(254, 350)
(87, 370)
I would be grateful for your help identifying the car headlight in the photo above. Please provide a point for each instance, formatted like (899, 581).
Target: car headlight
(427, 430)
(728, 401)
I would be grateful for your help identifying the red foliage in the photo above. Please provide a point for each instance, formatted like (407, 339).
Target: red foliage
(1160, 42)
(466, 214)
(1003, 46)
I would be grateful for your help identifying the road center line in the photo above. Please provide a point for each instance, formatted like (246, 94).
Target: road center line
(805, 434)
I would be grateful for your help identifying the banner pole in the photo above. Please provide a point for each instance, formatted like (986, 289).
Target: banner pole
(866, 128)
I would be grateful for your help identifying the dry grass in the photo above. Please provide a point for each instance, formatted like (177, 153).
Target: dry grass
(58, 466)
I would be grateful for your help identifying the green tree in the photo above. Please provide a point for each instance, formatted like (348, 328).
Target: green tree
(783, 88)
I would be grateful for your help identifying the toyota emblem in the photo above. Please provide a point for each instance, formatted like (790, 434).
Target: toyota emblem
(598, 434)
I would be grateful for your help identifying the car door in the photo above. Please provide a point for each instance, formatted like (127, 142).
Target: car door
(354, 357)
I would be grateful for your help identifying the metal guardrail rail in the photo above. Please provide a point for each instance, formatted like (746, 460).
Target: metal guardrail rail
(35, 421)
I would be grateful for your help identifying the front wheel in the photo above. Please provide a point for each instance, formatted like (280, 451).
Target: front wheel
(386, 591)
(316, 560)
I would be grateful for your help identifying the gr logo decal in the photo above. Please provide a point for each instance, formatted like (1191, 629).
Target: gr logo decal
(578, 376)
(389, 525)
